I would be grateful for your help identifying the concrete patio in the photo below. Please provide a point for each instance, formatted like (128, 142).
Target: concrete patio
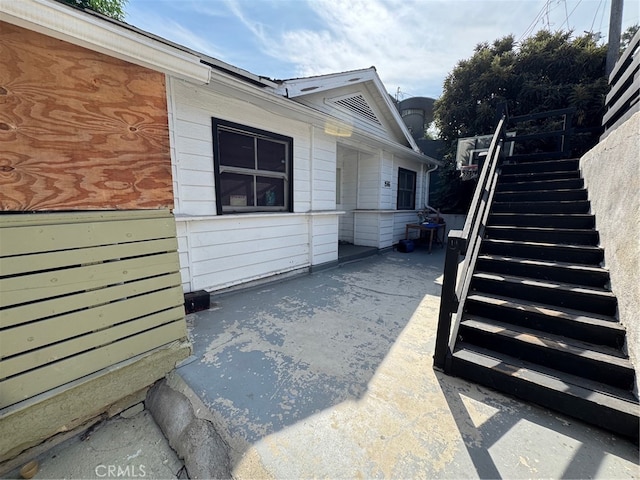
(330, 375)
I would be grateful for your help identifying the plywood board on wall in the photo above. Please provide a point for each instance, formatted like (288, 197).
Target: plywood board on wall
(79, 130)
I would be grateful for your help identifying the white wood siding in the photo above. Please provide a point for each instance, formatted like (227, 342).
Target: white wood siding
(388, 195)
(348, 163)
(228, 250)
(367, 227)
(193, 107)
(368, 182)
(372, 218)
(217, 252)
(184, 253)
(324, 239)
(385, 236)
(324, 171)
(400, 220)
(380, 229)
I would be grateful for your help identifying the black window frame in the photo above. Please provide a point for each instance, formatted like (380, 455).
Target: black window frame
(412, 191)
(220, 125)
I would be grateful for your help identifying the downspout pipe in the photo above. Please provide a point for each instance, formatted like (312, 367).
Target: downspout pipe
(426, 184)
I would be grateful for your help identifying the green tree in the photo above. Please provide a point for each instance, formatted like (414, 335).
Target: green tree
(110, 8)
(546, 72)
(627, 36)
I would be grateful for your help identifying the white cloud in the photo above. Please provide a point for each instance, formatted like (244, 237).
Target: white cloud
(413, 44)
(254, 27)
(174, 31)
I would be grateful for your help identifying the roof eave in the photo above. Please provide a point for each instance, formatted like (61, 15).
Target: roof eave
(396, 114)
(297, 87)
(305, 86)
(227, 83)
(93, 32)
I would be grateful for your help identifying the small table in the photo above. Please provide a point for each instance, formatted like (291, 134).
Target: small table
(432, 228)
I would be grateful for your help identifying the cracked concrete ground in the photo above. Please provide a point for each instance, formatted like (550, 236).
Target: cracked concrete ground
(330, 375)
(121, 447)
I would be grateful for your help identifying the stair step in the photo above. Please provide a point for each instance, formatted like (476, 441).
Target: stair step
(583, 254)
(540, 166)
(562, 236)
(600, 364)
(544, 220)
(535, 157)
(616, 411)
(527, 177)
(587, 327)
(557, 207)
(578, 297)
(537, 185)
(544, 270)
(547, 195)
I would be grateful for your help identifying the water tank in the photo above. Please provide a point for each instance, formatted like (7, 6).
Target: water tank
(417, 113)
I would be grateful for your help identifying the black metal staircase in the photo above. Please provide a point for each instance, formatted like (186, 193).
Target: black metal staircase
(533, 312)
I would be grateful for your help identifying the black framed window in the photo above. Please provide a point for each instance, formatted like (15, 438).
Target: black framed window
(406, 189)
(253, 169)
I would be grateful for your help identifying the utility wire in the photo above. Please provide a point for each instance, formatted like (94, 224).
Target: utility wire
(600, 26)
(595, 15)
(567, 21)
(534, 22)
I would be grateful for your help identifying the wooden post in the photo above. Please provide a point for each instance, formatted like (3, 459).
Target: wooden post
(448, 301)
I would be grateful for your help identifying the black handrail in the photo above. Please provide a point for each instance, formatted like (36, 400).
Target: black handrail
(467, 242)
(564, 134)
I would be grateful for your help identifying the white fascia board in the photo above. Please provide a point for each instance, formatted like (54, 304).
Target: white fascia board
(244, 74)
(395, 148)
(304, 86)
(278, 105)
(395, 114)
(265, 98)
(297, 87)
(60, 21)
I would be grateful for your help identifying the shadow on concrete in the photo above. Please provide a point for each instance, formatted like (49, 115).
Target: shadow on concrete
(268, 357)
(490, 424)
(330, 375)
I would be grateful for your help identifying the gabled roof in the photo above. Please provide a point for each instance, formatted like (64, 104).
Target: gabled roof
(356, 96)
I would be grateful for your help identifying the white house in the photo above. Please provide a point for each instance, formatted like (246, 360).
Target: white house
(270, 176)
(149, 170)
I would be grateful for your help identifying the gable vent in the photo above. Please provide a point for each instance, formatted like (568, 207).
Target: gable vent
(358, 105)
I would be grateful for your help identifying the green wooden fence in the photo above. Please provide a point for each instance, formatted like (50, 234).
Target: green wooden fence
(80, 292)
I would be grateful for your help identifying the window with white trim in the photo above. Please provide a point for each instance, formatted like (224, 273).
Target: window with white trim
(406, 189)
(253, 169)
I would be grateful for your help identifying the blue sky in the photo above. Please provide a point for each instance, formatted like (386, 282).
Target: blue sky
(413, 44)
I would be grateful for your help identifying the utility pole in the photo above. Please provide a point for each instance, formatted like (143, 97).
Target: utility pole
(615, 27)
